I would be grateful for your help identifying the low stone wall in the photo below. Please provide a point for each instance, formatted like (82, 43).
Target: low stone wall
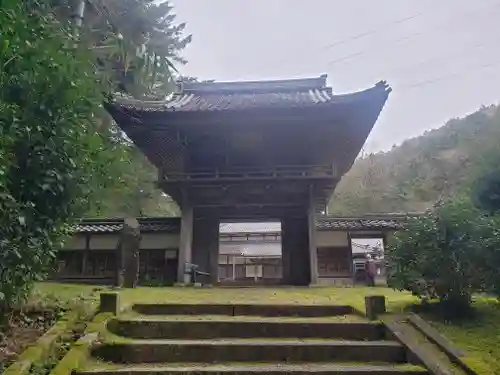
(455, 355)
(80, 351)
(41, 349)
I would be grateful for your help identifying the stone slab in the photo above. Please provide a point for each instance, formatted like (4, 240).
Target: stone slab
(183, 309)
(253, 369)
(210, 329)
(234, 350)
(419, 350)
(453, 353)
(241, 309)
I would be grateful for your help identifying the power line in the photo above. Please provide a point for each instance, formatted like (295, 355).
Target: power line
(407, 37)
(444, 56)
(363, 34)
(379, 28)
(446, 76)
(372, 31)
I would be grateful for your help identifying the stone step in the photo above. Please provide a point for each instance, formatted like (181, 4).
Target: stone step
(211, 329)
(258, 368)
(241, 350)
(241, 309)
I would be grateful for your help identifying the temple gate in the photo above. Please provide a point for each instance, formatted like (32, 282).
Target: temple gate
(252, 151)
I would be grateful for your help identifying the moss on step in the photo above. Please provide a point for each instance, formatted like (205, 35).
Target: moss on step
(268, 310)
(80, 351)
(150, 351)
(205, 329)
(95, 366)
(132, 315)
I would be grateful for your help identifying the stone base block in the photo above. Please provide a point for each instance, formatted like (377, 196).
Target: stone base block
(109, 302)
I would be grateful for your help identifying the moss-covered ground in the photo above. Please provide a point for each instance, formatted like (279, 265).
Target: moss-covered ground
(355, 297)
(478, 336)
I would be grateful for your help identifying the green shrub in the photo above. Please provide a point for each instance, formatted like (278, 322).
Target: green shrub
(440, 255)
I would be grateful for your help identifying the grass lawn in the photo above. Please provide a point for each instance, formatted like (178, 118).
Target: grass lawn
(396, 301)
(479, 338)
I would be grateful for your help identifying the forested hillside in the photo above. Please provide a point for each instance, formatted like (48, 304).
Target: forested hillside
(412, 176)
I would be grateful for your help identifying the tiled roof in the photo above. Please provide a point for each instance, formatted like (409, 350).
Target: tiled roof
(367, 223)
(220, 96)
(171, 224)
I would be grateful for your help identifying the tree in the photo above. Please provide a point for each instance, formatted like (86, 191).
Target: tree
(487, 191)
(135, 42)
(51, 154)
(439, 255)
(414, 175)
(133, 192)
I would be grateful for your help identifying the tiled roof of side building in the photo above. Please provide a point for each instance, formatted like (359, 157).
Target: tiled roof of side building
(169, 224)
(367, 222)
(172, 224)
(219, 96)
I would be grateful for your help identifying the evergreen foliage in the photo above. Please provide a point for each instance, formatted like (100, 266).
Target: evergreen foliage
(51, 155)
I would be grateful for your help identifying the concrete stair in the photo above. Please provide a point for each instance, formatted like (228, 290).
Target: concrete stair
(244, 339)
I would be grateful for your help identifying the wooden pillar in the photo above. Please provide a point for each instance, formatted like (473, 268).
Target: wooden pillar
(213, 249)
(351, 258)
(85, 259)
(313, 249)
(205, 251)
(295, 243)
(185, 242)
(286, 256)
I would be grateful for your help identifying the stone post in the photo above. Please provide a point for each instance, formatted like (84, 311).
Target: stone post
(109, 302)
(128, 254)
(374, 305)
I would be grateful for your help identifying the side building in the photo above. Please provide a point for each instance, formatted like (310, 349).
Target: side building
(247, 254)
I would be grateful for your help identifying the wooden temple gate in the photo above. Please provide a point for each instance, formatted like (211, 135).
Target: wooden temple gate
(252, 151)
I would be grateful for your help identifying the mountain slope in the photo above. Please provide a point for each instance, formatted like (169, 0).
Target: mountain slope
(412, 176)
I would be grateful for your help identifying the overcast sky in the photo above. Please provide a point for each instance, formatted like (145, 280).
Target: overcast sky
(440, 56)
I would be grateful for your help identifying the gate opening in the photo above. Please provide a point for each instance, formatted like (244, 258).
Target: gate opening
(250, 253)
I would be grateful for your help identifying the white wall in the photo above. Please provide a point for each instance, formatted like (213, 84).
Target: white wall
(78, 242)
(110, 241)
(331, 239)
(159, 241)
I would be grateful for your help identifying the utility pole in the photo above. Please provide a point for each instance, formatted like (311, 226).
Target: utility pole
(77, 16)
